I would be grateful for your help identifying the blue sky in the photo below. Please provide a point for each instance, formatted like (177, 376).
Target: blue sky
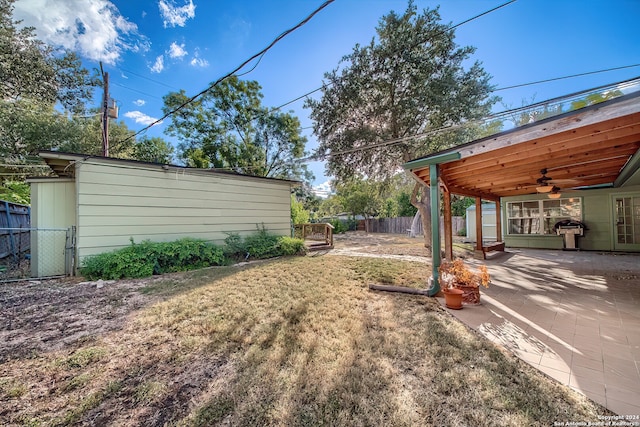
(151, 47)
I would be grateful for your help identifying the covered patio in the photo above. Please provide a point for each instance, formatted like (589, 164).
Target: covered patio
(575, 317)
(586, 151)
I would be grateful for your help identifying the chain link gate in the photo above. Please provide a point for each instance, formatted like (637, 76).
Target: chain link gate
(36, 252)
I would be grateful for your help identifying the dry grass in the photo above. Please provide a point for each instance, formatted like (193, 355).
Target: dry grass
(289, 342)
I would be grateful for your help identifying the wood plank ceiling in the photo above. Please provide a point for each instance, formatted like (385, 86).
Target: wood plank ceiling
(582, 155)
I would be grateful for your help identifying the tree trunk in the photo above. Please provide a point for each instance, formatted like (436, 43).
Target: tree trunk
(424, 208)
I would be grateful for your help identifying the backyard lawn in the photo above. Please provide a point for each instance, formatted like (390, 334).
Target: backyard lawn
(293, 341)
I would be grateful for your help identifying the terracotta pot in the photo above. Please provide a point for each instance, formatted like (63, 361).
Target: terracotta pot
(453, 298)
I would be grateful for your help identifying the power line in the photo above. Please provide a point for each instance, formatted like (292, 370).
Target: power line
(259, 54)
(136, 90)
(494, 90)
(496, 116)
(437, 34)
(566, 77)
(147, 78)
(482, 14)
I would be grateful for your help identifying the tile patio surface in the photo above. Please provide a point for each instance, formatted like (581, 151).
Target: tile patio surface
(573, 315)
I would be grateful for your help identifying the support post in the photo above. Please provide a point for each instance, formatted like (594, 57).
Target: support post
(435, 228)
(479, 224)
(448, 227)
(105, 112)
(498, 222)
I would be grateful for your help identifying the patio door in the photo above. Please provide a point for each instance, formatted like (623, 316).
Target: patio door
(627, 223)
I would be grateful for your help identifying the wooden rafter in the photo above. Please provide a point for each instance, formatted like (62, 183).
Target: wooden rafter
(582, 148)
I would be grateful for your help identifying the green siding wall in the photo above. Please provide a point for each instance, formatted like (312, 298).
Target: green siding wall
(119, 202)
(597, 214)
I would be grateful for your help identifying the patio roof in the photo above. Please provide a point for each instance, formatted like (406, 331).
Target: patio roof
(594, 146)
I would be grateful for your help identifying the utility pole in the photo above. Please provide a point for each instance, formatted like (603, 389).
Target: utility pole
(105, 113)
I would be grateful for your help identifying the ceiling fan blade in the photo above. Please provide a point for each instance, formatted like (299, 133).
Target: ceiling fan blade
(564, 181)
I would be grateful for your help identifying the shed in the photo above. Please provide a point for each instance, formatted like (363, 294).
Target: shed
(488, 222)
(108, 202)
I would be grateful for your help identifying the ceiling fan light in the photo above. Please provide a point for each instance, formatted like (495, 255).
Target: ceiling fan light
(554, 195)
(544, 188)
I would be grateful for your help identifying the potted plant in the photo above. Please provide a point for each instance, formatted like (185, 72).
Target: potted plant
(456, 275)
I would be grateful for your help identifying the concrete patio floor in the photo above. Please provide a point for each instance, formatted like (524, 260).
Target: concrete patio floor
(573, 315)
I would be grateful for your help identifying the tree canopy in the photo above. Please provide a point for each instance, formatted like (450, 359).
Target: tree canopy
(408, 81)
(33, 70)
(389, 101)
(228, 127)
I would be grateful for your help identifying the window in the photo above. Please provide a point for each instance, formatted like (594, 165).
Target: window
(540, 216)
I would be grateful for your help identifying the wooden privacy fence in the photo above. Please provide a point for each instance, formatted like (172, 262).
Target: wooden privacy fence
(401, 225)
(14, 230)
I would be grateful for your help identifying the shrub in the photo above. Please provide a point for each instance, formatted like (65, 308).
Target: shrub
(462, 232)
(291, 246)
(148, 258)
(262, 244)
(234, 246)
(339, 226)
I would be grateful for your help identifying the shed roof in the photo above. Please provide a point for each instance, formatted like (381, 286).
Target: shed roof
(594, 146)
(61, 164)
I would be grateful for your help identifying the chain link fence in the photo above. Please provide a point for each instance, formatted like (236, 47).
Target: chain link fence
(36, 252)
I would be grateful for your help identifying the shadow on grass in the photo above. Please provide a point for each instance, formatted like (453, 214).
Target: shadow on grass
(442, 375)
(275, 349)
(36, 320)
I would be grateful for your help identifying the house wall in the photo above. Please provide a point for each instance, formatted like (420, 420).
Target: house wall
(53, 210)
(119, 202)
(597, 214)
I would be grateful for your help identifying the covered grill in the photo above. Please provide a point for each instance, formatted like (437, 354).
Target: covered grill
(570, 230)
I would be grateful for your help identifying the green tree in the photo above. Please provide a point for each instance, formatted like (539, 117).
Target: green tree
(360, 197)
(16, 192)
(40, 88)
(389, 208)
(31, 69)
(304, 193)
(87, 138)
(459, 205)
(154, 150)
(408, 81)
(299, 215)
(228, 127)
(330, 207)
(405, 208)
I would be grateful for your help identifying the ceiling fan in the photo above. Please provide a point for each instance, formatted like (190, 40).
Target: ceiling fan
(546, 184)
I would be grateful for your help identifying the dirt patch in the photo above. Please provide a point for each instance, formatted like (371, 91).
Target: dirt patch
(394, 246)
(42, 316)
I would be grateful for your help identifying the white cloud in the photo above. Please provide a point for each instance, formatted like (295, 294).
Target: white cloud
(199, 62)
(322, 190)
(139, 102)
(176, 50)
(196, 61)
(173, 15)
(140, 118)
(93, 28)
(158, 66)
